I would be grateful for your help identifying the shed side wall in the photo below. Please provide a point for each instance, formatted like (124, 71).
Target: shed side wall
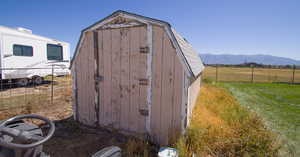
(193, 91)
(167, 89)
(74, 92)
(85, 82)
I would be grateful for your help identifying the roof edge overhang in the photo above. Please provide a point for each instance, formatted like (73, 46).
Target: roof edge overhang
(140, 18)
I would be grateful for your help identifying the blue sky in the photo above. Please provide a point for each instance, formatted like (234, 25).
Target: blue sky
(211, 26)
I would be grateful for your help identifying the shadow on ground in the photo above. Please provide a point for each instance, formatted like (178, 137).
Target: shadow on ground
(5, 85)
(72, 139)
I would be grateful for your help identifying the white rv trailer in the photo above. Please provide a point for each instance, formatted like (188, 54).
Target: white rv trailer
(26, 57)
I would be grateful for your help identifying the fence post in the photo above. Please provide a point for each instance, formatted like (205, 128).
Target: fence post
(294, 71)
(269, 73)
(1, 84)
(217, 72)
(252, 74)
(52, 82)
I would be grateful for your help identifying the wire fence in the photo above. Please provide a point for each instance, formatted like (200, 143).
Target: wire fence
(44, 91)
(252, 74)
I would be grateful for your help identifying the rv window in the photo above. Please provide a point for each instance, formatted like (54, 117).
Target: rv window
(54, 52)
(21, 50)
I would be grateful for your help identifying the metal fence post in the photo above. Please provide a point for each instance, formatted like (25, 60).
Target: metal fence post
(52, 83)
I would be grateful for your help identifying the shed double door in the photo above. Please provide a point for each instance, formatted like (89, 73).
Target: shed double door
(123, 88)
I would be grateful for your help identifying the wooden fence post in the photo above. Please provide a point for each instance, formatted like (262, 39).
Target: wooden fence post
(217, 72)
(252, 74)
(269, 73)
(294, 71)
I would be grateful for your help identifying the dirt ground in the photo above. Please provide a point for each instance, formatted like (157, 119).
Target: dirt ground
(37, 100)
(72, 139)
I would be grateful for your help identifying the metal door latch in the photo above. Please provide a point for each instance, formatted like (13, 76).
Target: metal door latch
(98, 78)
(144, 49)
(144, 112)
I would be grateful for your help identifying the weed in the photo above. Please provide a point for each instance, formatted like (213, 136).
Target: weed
(139, 148)
(221, 127)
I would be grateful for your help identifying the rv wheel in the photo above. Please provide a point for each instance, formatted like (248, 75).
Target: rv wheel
(23, 82)
(38, 80)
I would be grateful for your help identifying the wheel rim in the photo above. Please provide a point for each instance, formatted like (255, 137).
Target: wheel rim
(23, 82)
(38, 80)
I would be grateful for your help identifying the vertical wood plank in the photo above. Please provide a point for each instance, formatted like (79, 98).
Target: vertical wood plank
(90, 84)
(83, 115)
(149, 76)
(185, 101)
(84, 76)
(74, 90)
(143, 75)
(77, 67)
(194, 90)
(115, 97)
(125, 79)
(107, 77)
(79, 79)
(91, 81)
(157, 82)
(96, 74)
(178, 91)
(134, 77)
(167, 86)
(101, 73)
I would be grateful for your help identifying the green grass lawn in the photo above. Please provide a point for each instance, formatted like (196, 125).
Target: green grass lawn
(277, 104)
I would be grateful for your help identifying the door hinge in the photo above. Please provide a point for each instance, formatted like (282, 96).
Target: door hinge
(144, 112)
(144, 49)
(143, 81)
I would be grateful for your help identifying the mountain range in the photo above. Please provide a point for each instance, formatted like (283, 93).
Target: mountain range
(240, 59)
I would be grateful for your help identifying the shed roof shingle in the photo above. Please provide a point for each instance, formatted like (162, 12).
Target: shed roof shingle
(190, 54)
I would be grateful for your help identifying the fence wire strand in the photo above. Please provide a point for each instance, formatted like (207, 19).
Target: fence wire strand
(252, 74)
(53, 95)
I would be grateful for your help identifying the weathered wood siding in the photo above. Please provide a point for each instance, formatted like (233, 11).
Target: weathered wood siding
(122, 66)
(84, 66)
(167, 89)
(122, 91)
(193, 92)
(74, 92)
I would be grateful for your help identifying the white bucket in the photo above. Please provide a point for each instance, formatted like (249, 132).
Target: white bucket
(167, 152)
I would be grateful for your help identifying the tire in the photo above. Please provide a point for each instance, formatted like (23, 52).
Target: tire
(37, 80)
(23, 82)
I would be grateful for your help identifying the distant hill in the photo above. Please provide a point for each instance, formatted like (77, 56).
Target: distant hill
(240, 59)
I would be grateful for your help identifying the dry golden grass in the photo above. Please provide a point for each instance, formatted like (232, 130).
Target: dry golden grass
(220, 127)
(138, 148)
(37, 100)
(232, 74)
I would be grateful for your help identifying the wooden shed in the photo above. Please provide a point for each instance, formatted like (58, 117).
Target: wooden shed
(135, 74)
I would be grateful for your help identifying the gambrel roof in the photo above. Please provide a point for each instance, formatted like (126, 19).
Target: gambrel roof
(189, 56)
